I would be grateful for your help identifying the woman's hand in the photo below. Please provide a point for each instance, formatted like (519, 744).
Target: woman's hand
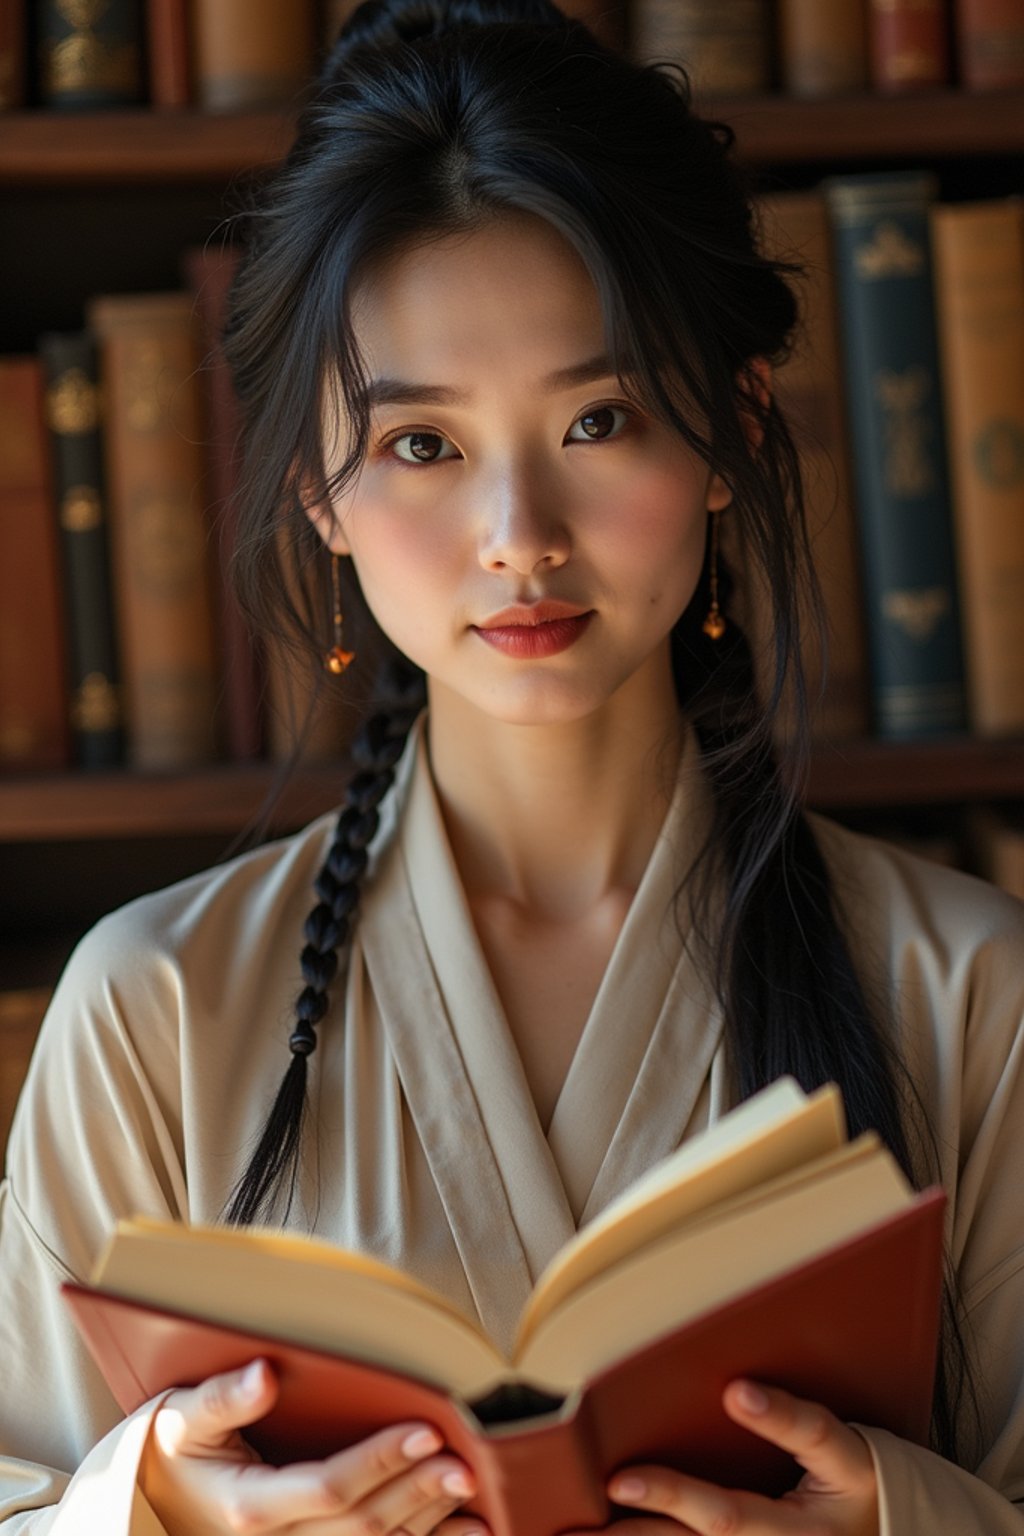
(837, 1496)
(203, 1479)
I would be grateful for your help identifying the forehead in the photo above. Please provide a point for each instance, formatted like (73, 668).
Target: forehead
(512, 289)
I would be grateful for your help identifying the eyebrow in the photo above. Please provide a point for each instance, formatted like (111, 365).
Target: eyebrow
(399, 392)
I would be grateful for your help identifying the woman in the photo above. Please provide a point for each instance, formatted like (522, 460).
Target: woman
(504, 344)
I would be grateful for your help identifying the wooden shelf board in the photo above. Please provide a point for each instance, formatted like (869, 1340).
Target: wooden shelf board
(125, 804)
(844, 775)
(54, 147)
(141, 146)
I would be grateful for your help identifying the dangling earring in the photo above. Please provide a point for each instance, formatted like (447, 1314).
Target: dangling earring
(714, 624)
(337, 660)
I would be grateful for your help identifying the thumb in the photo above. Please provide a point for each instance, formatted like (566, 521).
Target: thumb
(198, 1420)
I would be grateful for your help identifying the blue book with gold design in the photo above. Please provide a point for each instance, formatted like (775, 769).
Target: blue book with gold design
(883, 268)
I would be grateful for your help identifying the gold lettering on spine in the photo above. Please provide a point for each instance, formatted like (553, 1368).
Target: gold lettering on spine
(73, 404)
(81, 509)
(96, 706)
(917, 613)
(84, 61)
(889, 253)
(908, 470)
(145, 387)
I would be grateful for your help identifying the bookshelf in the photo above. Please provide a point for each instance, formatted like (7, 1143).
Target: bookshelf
(125, 192)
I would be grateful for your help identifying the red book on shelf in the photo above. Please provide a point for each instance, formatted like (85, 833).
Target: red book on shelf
(34, 729)
(909, 44)
(208, 270)
(990, 44)
(823, 1278)
(167, 38)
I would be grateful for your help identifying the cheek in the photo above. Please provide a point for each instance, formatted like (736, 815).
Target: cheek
(656, 534)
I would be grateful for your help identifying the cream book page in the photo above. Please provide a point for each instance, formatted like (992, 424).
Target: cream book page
(732, 1250)
(772, 1132)
(304, 1291)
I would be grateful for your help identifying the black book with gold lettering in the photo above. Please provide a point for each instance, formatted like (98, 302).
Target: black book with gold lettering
(73, 414)
(89, 53)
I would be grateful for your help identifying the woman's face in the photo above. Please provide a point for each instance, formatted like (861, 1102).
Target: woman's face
(506, 471)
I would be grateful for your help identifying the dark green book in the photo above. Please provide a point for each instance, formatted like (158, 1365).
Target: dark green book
(90, 53)
(887, 319)
(73, 414)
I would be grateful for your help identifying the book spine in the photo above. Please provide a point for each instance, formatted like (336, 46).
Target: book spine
(90, 56)
(73, 417)
(990, 44)
(148, 362)
(823, 49)
(978, 250)
(21, 1014)
(809, 390)
(13, 70)
(251, 53)
(884, 274)
(33, 681)
(724, 48)
(208, 273)
(167, 53)
(539, 1481)
(908, 45)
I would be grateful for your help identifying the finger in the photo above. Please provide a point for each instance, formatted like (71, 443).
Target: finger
(443, 1484)
(700, 1508)
(196, 1421)
(466, 1525)
(439, 1519)
(262, 1498)
(834, 1455)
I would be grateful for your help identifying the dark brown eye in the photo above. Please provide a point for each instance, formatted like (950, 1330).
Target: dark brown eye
(599, 423)
(423, 447)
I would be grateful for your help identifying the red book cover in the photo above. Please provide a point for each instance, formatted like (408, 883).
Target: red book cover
(209, 272)
(855, 1328)
(12, 55)
(168, 53)
(990, 44)
(909, 44)
(34, 703)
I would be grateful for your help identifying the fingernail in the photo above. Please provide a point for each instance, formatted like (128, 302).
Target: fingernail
(458, 1483)
(421, 1442)
(252, 1380)
(628, 1488)
(752, 1398)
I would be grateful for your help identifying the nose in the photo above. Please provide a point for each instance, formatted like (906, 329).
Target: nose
(523, 529)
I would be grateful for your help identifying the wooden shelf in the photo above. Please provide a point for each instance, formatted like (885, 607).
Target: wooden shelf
(146, 146)
(125, 804)
(844, 775)
(90, 148)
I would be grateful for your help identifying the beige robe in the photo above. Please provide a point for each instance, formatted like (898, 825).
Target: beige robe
(167, 1037)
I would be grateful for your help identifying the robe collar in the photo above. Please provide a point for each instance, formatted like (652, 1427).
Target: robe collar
(511, 1192)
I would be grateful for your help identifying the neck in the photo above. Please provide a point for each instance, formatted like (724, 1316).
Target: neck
(555, 818)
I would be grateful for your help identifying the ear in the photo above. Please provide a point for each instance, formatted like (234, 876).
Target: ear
(321, 513)
(755, 381)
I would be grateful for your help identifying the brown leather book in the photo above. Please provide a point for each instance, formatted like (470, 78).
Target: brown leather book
(724, 47)
(978, 251)
(990, 44)
(167, 53)
(34, 705)
(149, 361)
(13, 61)
(595, 1378)
(21, 1014)
(208, 272)
(809, 390)
(823, 49)
(251, 53)
(908, 45)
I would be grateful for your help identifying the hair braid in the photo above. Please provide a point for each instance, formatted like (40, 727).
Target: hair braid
(327, 931)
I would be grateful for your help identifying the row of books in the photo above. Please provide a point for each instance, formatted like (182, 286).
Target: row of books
(905, 389)
(120, 639)
(228, 55)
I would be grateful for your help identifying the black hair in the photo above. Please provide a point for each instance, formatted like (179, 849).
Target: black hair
(433, 117)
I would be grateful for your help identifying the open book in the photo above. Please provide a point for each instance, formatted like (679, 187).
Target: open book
(767, 1246)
